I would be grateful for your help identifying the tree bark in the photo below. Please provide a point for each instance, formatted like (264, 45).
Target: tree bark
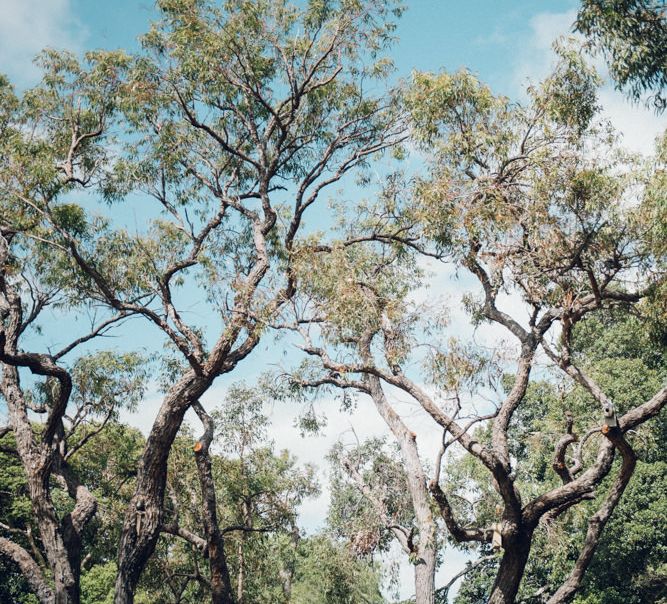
(143, 518)
(516, 546)
(221, 587)
(425, 577)
(240, 577)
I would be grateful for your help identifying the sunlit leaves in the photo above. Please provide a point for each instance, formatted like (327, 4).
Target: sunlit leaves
(569, 94)
(108, 382)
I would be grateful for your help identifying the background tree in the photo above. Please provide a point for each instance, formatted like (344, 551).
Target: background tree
(275, 561)
(258, 495)
(349, 295)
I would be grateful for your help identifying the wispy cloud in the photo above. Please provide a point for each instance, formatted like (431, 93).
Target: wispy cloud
(497, 37)
(638, 125)
(28, 26)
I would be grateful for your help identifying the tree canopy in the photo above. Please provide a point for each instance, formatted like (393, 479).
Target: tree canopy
(164, 227)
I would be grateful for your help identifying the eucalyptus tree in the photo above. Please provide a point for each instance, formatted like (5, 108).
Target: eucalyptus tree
(46, 141)
(535, 202)
(344, 284)
(625, 354)
(553, 217)
(236, 118)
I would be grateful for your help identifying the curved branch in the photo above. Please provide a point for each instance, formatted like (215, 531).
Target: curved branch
(456, 530)
(598, 521)
(29, 569)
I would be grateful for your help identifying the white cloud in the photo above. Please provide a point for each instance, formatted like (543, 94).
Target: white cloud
(28, 26)
(536, 60)
(638, 125)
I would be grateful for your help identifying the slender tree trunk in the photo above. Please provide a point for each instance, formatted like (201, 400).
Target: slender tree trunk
(425, 577)
(417, 485)
(247, 521)
(240, 578)
(221, 586)
(516, 547)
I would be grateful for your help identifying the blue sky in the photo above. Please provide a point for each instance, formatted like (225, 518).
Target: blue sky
(505, 42)
(484, 35)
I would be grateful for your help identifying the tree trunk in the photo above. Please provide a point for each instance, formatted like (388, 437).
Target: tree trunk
(143, 518)
(247, 521)
(62, 553)
(221, 586)
(65, 574)
(516, 547)
(240, 578)
(425, 578)
(421, 502)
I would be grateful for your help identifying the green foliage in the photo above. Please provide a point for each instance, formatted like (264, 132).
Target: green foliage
(13, 586)
(98, 582)
(462, 368)
(260, 489)
(15, 504)
(634, 544)
(109, 381)
(352, 515)
(569, 94)
(510, 186)
(328, 573)
(632, 36)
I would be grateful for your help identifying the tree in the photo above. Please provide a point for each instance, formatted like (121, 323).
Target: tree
(557, 257)
(632, 36)
(626, 355)
(530, 201)
(237, 119)
(341, 295)
(76, 397)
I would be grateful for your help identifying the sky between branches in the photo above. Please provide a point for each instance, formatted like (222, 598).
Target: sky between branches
(505, 42)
